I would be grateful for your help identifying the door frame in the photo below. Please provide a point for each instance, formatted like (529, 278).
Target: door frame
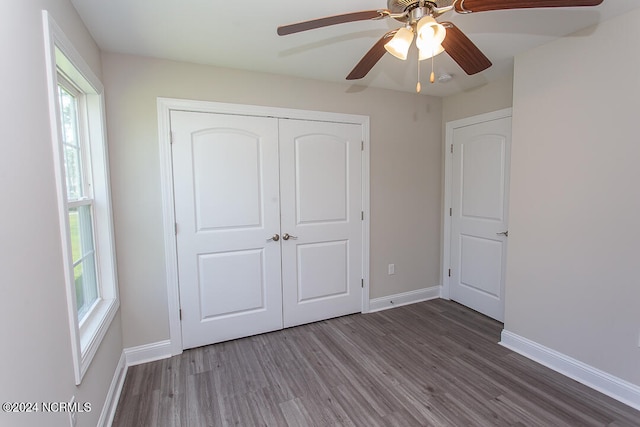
(164, 108)
(448, 179)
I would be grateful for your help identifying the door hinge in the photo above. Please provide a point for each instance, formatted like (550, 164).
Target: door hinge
(449, 272)
(450, 211)
(175, 228)
(180, 312)
(451, 148)
(170, 137)
(362, 215)
(361, 145)
(362, 283)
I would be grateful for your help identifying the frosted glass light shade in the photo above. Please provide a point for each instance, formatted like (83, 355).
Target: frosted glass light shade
(429, 52)
(399, 45)
(430, 34)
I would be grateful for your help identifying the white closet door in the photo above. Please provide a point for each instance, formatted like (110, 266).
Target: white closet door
(321, 194)
(226, 186)
(480, 190)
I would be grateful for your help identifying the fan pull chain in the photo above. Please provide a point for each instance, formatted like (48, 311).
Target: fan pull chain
(432, 77)
(418, 86)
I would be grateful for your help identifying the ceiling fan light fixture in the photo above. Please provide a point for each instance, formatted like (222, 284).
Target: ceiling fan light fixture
(419, 17)
(430, 34)
(430, 52)
(399, 45)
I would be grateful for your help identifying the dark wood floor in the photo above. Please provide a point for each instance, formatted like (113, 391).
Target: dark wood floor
(429, 364)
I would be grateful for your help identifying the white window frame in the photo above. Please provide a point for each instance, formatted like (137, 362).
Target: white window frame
(63, 58)
(86, 200)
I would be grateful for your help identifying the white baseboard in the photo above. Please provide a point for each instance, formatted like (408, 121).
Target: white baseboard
(605, 383)
(404, 298)
(130, 357)
(113, 395)
(148, 353)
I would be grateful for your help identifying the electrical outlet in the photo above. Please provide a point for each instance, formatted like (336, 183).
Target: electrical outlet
(72, 413)
(392, 269)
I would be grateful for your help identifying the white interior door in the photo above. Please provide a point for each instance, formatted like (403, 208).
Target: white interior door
(227, 207)
(268, 223)
(479, 218)
(321, 191)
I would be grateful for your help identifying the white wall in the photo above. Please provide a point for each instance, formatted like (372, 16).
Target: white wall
(36, 349)
(572, 275)
(405, 172)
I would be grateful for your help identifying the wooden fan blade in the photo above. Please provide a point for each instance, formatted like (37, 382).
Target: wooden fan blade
(332, 20)
(462, 50)
(466, 6)
(371, 58)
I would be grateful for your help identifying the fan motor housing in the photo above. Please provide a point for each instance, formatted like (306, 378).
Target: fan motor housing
(416, 9)
(399, 6)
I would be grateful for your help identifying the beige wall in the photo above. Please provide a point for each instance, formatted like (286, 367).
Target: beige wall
(492, 96)
(405, 172)
(36, 349)
(573, 236)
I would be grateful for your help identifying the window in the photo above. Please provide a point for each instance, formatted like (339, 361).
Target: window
(84, 206)
(79, 197)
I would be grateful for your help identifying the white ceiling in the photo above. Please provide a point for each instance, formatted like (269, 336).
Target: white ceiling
(243, 35)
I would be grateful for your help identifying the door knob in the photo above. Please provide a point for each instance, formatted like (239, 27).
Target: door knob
(275, 237)
(287, 236)
(504, 233)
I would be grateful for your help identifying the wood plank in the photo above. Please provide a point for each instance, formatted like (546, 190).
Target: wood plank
(431, 363)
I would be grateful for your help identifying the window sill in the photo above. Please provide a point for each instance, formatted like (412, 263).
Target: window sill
(93, 330)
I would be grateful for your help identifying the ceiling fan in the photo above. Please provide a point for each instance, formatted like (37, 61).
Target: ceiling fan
(432, 37)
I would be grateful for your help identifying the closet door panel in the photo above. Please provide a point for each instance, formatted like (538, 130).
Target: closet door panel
(226, 187)
(321, 193)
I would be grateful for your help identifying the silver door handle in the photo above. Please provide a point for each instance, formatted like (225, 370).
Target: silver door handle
(287, 236)
(504, 233)
(275, 237)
